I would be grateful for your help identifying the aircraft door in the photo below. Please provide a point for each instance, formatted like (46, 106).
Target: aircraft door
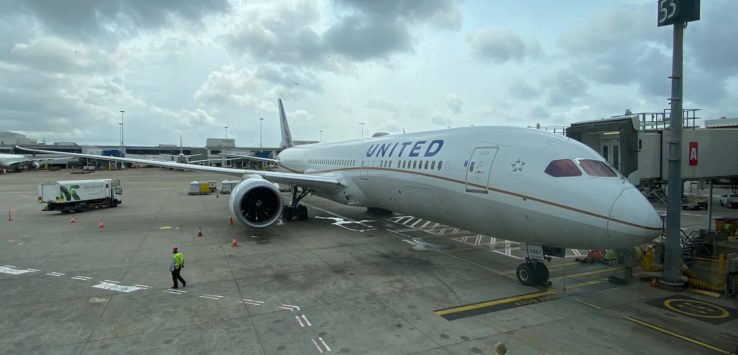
(611, 152)
(364, 170)
(478, 169)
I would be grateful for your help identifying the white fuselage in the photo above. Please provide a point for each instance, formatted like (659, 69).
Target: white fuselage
(7, 160)
(489, 180)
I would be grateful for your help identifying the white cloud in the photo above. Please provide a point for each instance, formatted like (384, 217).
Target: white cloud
(501, 45)
(455, 104)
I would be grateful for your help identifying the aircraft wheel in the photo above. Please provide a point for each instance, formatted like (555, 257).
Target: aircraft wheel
(542, 273)
(302, 213)
(287, 213)
(526, 274)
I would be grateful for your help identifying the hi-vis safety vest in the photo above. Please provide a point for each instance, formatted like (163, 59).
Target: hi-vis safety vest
(178, 260)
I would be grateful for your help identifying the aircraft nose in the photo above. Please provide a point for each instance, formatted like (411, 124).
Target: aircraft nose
(633, 220)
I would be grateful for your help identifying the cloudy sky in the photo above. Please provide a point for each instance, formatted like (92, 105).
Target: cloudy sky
(192, 67)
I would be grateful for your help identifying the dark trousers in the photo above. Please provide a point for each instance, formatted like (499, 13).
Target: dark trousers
(176, 276)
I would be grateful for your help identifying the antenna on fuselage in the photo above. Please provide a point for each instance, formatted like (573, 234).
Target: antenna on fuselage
(286, 135)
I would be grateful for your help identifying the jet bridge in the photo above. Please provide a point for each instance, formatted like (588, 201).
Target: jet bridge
(637, 146)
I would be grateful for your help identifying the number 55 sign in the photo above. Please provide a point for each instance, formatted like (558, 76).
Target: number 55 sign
(673, 11)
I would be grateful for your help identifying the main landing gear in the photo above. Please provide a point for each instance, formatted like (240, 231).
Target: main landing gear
(295, 209)
(533, 272)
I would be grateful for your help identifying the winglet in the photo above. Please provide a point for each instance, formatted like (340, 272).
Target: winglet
(286, 135)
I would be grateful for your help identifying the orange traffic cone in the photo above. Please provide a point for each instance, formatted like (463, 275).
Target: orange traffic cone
(10, 215)
(100, 224)
(72, 219)
(230, 221)
(199, 232)
(653, 282)
(234, 243)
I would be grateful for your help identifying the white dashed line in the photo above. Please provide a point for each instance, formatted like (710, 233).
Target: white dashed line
(111, 281)
(289, 307)
(302, 319)
(81, 278)
(57, 274)
(252, 302)
(216, 296)
(210, 298)
(321, 345)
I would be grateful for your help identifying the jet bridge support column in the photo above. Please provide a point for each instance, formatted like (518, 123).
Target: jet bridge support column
(672, 274)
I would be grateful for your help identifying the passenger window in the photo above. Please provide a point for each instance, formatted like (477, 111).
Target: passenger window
(439, 164)
(596, 168)
(471, 166)
(433, 165)
(426, 165)
(415, 164)
(562, 168)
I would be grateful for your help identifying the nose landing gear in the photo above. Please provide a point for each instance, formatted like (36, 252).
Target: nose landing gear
(533, 272)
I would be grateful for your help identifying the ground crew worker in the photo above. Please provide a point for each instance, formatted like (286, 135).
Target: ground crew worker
(175, 265)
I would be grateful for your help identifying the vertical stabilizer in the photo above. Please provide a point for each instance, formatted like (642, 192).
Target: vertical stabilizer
(181, 149)
(286, 135)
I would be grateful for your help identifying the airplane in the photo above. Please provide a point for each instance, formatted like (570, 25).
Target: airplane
(542, 189)
(18, 160)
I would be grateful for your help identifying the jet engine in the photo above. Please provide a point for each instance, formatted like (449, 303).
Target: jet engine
(256, 203)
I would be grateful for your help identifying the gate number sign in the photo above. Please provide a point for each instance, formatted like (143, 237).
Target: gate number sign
(673, 11)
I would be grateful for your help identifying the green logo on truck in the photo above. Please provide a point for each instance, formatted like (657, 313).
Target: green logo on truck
(70, 193)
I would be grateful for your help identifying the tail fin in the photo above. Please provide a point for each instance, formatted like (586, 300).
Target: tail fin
(181, 149)
(286, 135)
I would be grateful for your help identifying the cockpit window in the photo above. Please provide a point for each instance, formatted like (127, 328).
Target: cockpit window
(562, 168)
(596, 168)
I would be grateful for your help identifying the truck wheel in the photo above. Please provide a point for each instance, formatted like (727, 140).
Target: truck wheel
(82, 207)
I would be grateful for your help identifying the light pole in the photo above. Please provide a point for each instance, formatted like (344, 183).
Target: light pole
(226, 132)
(122, 145)
(261, 124)
(362, 129)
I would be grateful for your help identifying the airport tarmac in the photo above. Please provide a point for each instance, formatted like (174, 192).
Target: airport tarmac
(343, 281)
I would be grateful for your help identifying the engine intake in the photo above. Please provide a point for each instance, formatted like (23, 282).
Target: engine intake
(256, 203)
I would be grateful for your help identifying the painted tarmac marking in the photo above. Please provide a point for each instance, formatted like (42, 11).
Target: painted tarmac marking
(289, 307)
(112, 282)
(81, 278)
(304, 322)
(174, 292)
(141, 286)
(321, 345)
(582, 284)
(252, 302)
(677, 335)
(116, 287)
(32, 270)
(588, 304)
(210, 297)
(216, 296)
(501, 304)
(57, 274)
(8, 269)
(340, 221)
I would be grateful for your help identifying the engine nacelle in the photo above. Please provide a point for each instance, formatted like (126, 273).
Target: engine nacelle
(256, 203)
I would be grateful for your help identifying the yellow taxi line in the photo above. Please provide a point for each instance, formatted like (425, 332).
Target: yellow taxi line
(677, 335)
(468, 307)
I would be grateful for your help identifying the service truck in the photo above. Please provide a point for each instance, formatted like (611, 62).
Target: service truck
(80, 195)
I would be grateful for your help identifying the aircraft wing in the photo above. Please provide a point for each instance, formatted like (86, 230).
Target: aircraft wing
(251, 157)
(316, 182)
